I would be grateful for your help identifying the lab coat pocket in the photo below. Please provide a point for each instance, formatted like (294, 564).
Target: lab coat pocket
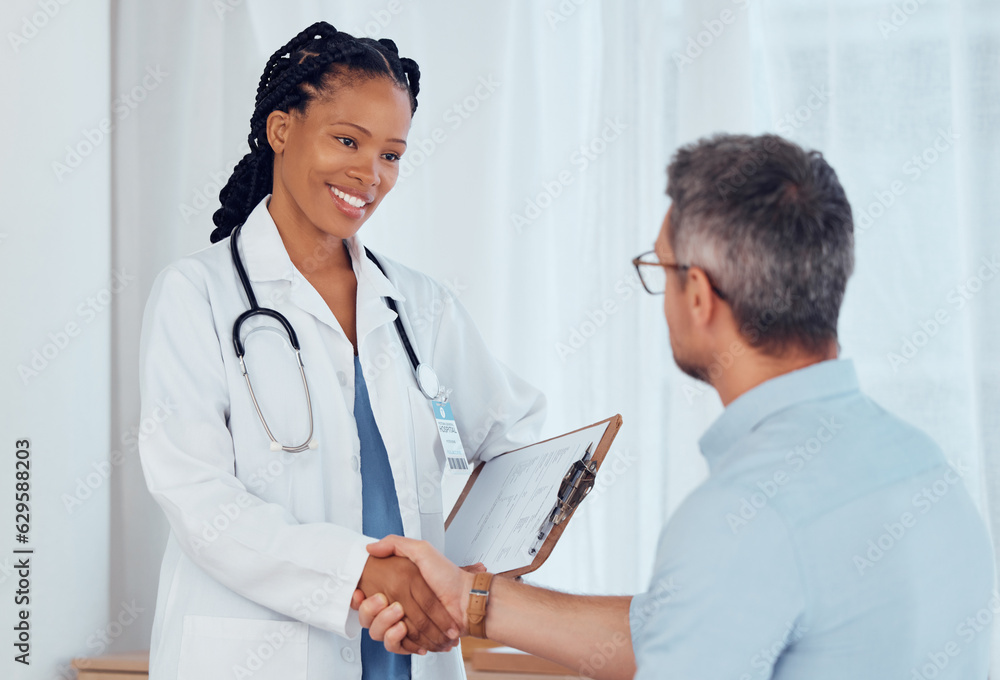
(428, 454)
(215, 647)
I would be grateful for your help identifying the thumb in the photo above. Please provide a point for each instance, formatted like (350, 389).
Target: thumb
(388, 546)
(357, 599)
(476, 568)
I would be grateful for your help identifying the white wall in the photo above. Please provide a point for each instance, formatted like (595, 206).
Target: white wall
(55, 259)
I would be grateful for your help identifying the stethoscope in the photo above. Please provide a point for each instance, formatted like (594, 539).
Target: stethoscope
(425, 376)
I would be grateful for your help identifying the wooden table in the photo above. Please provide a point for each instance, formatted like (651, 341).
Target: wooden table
(494, 675)
(135, 666)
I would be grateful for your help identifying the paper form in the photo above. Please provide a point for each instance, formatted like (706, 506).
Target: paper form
(499, 520)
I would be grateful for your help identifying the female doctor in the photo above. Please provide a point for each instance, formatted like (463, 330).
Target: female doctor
(279, 466)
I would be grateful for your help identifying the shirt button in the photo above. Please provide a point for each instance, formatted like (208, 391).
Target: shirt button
(355, 463)
(347, 654)
(342, 377)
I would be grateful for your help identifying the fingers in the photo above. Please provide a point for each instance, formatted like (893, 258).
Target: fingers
(385, 619)
(385, 623)
(422, 630)
(397, 642)
(369, 609)
(428, 623)
(357, 598)
(432, 607)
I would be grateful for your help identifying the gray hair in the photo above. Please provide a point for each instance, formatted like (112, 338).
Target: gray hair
(771, 226)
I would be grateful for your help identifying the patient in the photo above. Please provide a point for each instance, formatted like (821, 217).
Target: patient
(831, 539)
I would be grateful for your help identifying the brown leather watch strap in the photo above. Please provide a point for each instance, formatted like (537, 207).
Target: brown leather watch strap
(478, 597)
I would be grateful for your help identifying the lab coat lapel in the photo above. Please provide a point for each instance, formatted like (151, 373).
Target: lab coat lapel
(373, 288)
(262, 249)
(387, 388)
(267, 260)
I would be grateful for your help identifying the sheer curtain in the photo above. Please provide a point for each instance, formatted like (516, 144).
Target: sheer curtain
(536, 171)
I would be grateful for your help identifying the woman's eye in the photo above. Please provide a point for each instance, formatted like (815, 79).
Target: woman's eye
(393, 157)
(346, 141)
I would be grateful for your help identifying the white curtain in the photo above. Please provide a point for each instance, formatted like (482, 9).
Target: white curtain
(536, 171)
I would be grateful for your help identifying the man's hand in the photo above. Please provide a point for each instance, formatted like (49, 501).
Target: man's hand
(451, 585)
(427, 622)
(557, 626)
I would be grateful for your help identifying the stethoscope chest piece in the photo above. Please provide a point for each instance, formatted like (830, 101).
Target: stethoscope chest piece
(428, 381)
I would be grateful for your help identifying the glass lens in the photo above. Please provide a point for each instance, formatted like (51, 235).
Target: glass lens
(654, 276)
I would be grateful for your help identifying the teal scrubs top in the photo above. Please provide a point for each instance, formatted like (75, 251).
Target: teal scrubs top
(380, 517)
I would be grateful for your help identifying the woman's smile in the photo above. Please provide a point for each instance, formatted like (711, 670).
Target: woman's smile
(354, 204)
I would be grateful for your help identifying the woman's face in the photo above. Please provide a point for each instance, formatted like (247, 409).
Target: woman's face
(336, 162)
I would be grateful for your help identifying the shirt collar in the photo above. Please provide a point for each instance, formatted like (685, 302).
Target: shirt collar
(746, 412)
(267, 260)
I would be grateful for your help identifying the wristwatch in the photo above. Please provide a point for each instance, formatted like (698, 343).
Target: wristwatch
(478, 597)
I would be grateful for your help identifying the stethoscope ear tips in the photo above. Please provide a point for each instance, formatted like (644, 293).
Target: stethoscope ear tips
(313, 444)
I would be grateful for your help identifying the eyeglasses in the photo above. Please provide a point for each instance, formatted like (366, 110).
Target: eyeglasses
(653, 273)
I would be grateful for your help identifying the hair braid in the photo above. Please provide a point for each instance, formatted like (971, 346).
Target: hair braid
(293, 76)
(412, 72)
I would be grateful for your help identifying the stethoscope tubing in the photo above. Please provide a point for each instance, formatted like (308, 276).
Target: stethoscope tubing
(426, 378)
(400, 329)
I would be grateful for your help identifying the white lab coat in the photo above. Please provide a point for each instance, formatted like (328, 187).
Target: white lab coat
(265, 548)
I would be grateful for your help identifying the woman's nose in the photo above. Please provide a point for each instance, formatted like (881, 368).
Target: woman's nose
(366, 169)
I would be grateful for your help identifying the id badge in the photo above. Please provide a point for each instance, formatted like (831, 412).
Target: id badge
(456, 462)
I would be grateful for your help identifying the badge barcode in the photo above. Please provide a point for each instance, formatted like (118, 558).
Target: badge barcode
(458, 464)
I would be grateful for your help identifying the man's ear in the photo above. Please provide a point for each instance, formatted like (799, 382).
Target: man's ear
(277, 130)
(698, 293)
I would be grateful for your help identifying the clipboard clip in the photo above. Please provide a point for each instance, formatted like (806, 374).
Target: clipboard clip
(576, 484)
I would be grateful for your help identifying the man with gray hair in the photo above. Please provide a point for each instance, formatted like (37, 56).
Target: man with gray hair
(831, 539)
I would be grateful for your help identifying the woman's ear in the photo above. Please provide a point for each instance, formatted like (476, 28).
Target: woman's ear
(277, 130)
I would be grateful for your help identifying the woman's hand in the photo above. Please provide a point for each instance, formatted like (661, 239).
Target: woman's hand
(428, 624)
(384, 620)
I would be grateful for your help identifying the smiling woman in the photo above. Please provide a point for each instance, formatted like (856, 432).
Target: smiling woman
(267, 544)
(330, 173)
(324, 154)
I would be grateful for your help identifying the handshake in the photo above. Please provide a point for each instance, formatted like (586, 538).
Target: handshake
(412, 598)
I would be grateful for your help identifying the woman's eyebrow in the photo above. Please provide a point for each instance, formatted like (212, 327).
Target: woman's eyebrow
(367, 132)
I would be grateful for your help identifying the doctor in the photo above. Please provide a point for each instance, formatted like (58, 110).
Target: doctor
(279, 467)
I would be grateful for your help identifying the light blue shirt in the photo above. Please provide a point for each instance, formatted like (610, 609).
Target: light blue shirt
(831, 540)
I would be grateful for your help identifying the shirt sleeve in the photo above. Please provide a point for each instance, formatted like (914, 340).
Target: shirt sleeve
(726, 597)
(256, 548)
(496, 410)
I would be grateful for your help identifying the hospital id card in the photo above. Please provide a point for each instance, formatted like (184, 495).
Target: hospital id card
(457, 463)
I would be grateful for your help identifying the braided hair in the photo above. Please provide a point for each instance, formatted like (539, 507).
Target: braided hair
(294, 76)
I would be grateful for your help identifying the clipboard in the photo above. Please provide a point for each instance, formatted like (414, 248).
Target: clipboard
(576, 483)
